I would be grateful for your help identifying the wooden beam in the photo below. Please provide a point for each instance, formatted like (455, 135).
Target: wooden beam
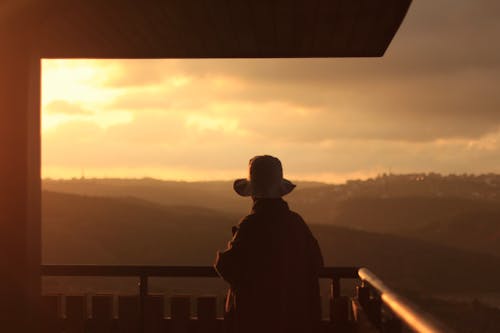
(284, 24)
(305, 21)
(241, 21)
(263, 14)
(219, 28)
(218, 19)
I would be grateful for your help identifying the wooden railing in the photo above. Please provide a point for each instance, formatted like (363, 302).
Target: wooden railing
(375, 308)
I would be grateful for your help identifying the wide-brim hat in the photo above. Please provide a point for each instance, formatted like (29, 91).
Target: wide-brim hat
(265, 179)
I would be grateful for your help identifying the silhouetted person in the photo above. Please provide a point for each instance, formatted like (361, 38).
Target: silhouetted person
(273, 260)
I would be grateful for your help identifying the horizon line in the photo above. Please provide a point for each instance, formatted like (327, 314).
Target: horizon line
(295, 180)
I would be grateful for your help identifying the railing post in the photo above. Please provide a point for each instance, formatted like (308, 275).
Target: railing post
(180, 313)
(128, 314)
(339, 314)
(335, 287)
(143, 293)
(363, 294)
(76, 313)
(102, 313)
(334, 293)
(374, 310)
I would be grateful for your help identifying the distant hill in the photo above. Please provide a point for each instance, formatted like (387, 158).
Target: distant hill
(218, 195)
(475, 230)
(98, 230)
(459, 211)
(214, 195)
(470, 224)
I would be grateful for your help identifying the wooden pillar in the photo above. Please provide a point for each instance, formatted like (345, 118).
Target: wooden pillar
(19, 179)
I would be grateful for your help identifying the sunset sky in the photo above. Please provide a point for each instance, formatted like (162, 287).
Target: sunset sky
(432, 103)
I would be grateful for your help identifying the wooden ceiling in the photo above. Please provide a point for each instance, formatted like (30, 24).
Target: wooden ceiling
(215, 28)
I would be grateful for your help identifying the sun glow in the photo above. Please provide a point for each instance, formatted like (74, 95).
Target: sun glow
(204, 123)
(78, 82)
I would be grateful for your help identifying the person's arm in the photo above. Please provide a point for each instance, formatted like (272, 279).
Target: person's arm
(230, 263)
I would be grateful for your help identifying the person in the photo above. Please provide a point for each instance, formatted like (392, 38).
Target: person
(273, 261)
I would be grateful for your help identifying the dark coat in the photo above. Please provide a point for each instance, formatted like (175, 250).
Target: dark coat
(272, 265)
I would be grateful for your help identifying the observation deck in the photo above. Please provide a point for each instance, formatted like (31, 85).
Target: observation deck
(35, 29)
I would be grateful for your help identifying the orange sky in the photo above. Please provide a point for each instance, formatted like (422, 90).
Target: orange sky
(431, 104)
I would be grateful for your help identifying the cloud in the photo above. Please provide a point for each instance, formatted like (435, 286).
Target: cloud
(148, 128)
(409, 110)
(438, 80)
(66, 108)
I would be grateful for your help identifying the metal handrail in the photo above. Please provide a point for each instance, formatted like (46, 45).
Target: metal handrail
(408, 312)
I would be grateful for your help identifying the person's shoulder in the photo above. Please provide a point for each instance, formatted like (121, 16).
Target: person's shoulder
(299, 221)
(245, 228)
(296, 216)
(246, 221)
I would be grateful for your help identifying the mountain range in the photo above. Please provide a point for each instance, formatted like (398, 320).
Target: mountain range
(81, 229)
(460, 212)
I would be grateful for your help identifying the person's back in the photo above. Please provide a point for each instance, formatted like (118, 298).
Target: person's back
(272, 265)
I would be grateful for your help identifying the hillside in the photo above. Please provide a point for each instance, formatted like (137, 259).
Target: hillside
(214, 195)
(97, 230)
(458, 211)
(475, 230)
(218, 195)
(468, 224)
